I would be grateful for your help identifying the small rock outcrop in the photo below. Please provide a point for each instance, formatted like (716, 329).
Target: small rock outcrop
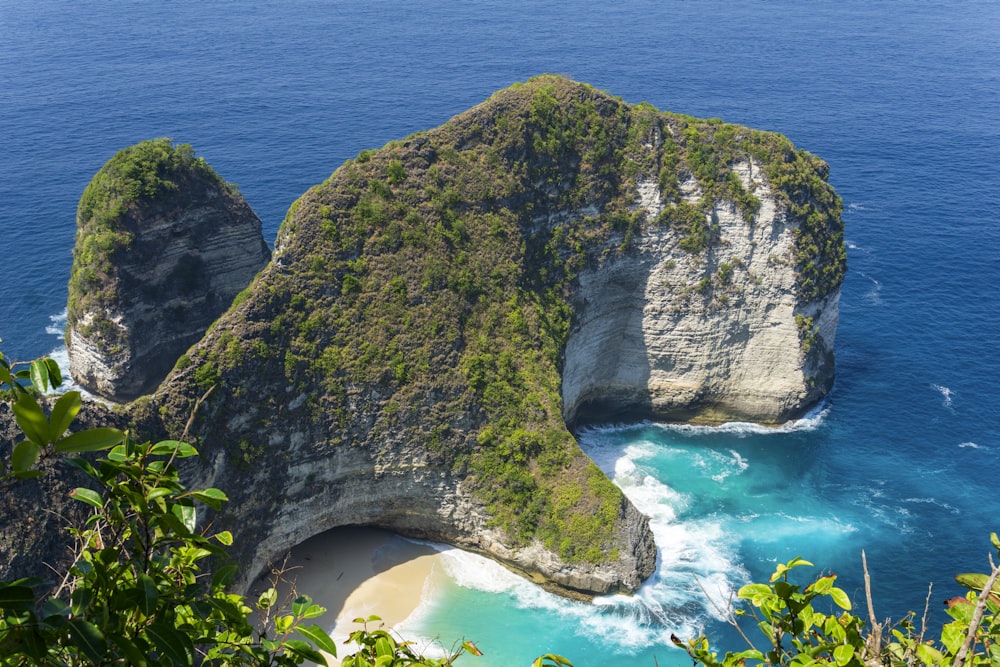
(163, 246)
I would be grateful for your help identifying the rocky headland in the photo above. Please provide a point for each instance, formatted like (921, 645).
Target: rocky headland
(163, 246)
(439, 313)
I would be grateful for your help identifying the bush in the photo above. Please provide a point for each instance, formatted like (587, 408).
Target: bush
(801, 626)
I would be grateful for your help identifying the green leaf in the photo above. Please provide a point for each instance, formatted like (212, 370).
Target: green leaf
(55, 375)
(149, 594)
(929, 655)
(385, 646)
(31, 419)
(63, 413)
(224, 538)
(211, 497)
(170, 643)
(184, 450)
(91, 440)
(318, 636)
(840, 598)
(135, 656)
(39, 374)
(843, 654)
(16, 597)
(314, 611)
(751, 654)
(822, 585)
(303, 649)
(283, 623)
(88, 496)
(25, 456)
(976, 582)
(187, 516)
(118, 454)
(54, 608)
(300, 604)
(785, 567)
(88, 638)
(754, 590)
(267, 599)
(952, 636)
(173, 447)
(81, 599)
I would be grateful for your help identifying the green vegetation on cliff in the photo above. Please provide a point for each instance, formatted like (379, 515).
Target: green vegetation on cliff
(142, 174)
(421, 294)
(147, 584)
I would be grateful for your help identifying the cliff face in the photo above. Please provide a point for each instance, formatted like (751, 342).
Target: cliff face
(723, 335)
(163, 246)
(438, 310)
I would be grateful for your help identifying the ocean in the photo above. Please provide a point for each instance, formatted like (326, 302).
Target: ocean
(902, 100)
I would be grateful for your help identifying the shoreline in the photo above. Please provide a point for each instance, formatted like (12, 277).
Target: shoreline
(356, 572)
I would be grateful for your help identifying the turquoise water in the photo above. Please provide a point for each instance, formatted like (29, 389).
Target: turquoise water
(900, 98)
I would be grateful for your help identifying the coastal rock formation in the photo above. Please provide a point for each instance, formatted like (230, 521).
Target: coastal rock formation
(438, 310)
(163, 245)
(723, 335)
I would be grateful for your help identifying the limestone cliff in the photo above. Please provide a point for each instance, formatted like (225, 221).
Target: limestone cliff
(724, 334)
(163, 246)
(438, 310)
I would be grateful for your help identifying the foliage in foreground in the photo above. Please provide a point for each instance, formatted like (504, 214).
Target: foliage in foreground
(797, 631)
(147, 582)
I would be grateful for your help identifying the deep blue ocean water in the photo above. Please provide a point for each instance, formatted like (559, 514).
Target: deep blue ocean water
(902, 99)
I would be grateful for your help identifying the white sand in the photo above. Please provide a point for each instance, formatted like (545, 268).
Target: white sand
(358, 572)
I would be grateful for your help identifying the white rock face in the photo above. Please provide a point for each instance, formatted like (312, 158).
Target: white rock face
(188, 259)
(711, 336)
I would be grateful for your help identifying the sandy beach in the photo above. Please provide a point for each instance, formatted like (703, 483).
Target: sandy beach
(358, 572)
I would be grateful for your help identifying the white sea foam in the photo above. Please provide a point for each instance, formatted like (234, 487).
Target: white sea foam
(60, 354)
(734, 464)
(697, 560)
(810, 422)
(874, 295)
(851, 245)
(631, 623)
(970, 445)
(882, 509)
(785, 527)
(946, 394)
(58, 326)
(932, 501)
